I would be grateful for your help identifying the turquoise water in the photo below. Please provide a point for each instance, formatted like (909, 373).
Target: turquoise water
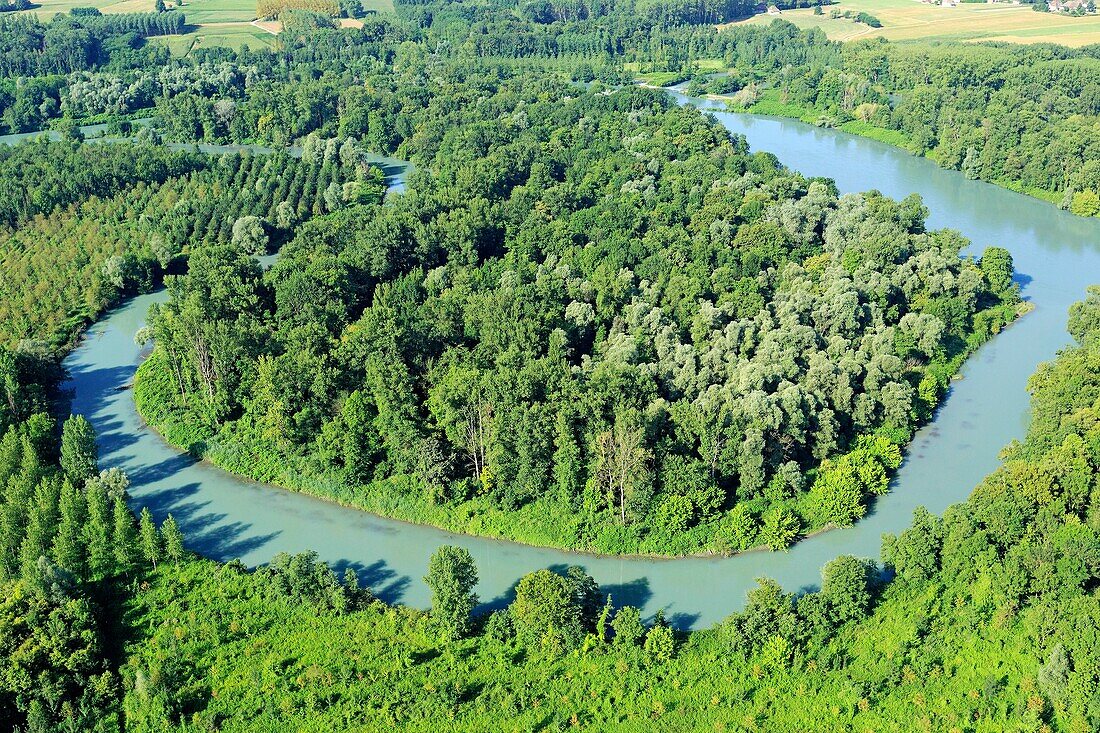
(1056, 254)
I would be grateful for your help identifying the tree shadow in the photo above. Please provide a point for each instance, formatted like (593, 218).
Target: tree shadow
(635, 593)
(384, 583)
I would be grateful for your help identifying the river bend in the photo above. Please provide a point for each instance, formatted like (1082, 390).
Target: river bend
(1056, 255)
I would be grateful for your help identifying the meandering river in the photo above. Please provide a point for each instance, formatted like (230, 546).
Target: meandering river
(1057, 255)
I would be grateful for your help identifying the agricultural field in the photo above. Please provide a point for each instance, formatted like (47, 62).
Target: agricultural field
(226, 23)
(234, 35)
(906, 20)
(46, 9)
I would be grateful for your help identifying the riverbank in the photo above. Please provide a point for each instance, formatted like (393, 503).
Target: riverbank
(771, 105)
(542, 523)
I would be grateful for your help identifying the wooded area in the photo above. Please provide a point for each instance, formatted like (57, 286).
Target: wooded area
(592, 319)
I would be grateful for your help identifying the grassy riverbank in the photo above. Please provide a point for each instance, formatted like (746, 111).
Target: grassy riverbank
(771, 104)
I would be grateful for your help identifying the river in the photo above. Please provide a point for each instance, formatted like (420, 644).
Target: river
(224, 517)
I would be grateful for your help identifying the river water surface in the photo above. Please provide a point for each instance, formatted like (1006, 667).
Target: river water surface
(1056, 255)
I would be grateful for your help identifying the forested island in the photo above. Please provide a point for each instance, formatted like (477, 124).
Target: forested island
(593, 319)
(602, 325)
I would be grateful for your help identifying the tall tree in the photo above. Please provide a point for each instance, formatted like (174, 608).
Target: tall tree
(173, 539)
(152, 547)
(127, 552)
(79, 455)
(451, 577)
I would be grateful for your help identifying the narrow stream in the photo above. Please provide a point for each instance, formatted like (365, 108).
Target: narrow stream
(224, 517)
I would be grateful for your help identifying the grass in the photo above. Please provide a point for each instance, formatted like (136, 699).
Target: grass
(256, 663)
(204, 12)
(198, 12)
(229, 35)
(907, 20)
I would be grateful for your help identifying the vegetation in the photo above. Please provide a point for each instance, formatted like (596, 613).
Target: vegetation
(62, 270)
(709, 354)
(969, 20)
(594, 319)
(988, 623)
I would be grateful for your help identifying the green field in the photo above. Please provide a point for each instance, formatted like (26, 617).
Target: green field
(228, 35)
(226, 23)
(906, 20)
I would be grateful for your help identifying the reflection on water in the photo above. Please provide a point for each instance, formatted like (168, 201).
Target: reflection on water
(225, 517)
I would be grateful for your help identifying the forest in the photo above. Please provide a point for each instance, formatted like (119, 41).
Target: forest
(120, 215)
(985, 619)
(592, 319)
(626, 334)
(1025, 117)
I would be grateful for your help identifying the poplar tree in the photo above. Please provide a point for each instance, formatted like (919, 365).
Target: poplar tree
(173, 540)
(126, 537)
(68, 549)
(41, 525)
(97, 531)
(151, 546)
(79, 455)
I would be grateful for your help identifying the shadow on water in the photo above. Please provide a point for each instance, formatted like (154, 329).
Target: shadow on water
(149, 474)
(207, 532)
(385, 583)
(1022, 280)
(631, 593)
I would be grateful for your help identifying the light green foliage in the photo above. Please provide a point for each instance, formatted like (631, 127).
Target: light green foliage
(79, 455)
(544, 614)
(451, 578)
(660, 645)
(627, 626)
(846, 588)
(779, 529)
(173, 540)
(152, 544)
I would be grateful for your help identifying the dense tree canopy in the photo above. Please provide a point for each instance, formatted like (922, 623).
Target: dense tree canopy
(602, 307)
(591, 313)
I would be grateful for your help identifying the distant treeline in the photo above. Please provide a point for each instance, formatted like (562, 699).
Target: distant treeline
(29, 47)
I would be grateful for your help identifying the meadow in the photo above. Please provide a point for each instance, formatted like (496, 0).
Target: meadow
(910, 20)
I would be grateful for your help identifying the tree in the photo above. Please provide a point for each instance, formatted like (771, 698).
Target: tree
(126, 547)
(845, 587)
(173, 540)
(250, 235)
(627, 626)
(79, 455)
(780, 528)
(97, 531)
(585, 595)
(544, 613)
(1084, 316)
(152, 546)
(660, 644)
(915, 553)
(621, 458)
(68, 545)
(451, 577)
(998, 269)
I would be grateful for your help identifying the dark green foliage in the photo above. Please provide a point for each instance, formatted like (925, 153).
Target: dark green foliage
(39, 176)
(542, 329)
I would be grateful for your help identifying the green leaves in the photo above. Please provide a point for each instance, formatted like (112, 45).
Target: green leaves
(451, 577)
